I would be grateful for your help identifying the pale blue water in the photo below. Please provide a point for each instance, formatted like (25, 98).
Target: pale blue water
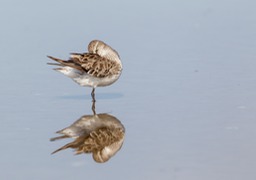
(186, 96)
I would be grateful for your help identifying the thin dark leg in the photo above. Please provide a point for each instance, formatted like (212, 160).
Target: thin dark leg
(93, 95)
(93, 108)
(93, 101)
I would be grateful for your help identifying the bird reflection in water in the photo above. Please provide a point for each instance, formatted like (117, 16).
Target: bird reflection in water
(99, 134)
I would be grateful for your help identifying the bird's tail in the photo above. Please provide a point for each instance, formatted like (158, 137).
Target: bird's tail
(68, 63)
(61, 62)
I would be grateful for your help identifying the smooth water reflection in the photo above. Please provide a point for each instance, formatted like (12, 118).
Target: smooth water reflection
(99, 134)
(186, 95)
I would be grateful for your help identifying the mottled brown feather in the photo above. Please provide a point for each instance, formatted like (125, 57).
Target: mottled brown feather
(92, 64)
(95, 141)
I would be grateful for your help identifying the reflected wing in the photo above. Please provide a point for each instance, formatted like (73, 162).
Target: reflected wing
(103, 143)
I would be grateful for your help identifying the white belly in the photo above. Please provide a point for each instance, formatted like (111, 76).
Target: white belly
(88, 80)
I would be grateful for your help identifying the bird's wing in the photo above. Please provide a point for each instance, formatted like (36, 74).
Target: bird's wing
(90, 63)
(95, 65)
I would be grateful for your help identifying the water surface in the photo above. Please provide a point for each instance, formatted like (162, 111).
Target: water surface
(186, 96)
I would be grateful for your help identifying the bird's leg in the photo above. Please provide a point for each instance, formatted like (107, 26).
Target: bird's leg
(93, 101)
(93, 95)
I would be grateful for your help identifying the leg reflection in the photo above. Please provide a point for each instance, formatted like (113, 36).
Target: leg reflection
(93, 107)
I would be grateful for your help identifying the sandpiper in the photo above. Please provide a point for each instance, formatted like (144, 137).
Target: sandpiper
(101, 66)
(99, 134)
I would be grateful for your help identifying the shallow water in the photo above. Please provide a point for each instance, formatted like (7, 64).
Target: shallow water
(186, 95)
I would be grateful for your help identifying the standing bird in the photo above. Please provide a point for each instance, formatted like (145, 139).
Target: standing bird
(101, 66)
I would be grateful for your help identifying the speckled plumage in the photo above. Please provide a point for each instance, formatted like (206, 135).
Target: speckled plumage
(99, 134)
(101, 66)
